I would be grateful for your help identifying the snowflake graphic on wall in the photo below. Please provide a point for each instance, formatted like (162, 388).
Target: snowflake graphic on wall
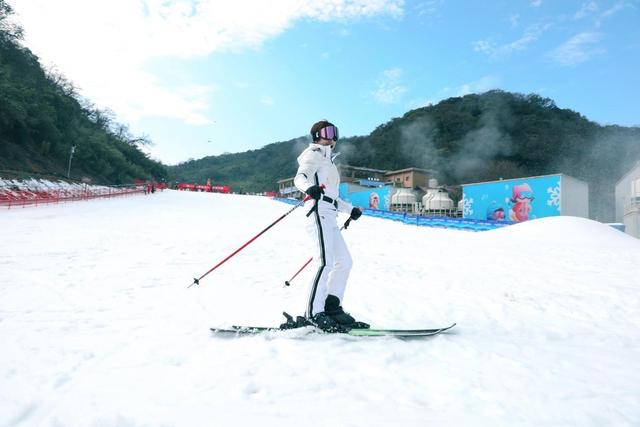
(554, 196)
(467, 207)
(387, 202)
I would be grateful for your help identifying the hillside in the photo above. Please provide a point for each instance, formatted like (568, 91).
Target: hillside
(99, 329)
(42, 117)
(467, 139)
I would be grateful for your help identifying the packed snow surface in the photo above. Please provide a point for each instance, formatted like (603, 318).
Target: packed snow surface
(98, 328)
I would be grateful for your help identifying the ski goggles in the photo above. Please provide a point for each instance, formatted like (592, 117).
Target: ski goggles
(329, 132)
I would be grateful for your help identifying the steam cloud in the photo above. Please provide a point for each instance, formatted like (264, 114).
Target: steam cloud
(417, 144)
(474, 152)
(479, 147)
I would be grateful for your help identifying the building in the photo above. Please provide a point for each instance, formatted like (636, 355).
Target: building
(410, 177)
(398, 190)
(526, 198)
(627, 200)
(287, 189)
(368, 177)
(362, 176)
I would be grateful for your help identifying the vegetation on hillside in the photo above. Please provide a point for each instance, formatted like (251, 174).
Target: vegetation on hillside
(42, 117)
(473, 138)
(465, 139)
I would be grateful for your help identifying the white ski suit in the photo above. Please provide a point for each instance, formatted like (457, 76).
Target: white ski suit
(331, 255)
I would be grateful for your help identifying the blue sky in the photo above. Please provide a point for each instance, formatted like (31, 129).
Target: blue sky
(205, 77)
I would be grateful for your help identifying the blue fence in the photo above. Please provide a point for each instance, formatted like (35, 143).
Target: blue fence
(428, 221)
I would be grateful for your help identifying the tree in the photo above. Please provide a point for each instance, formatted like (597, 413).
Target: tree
(42, 116)
(9, 31)
(465, 139)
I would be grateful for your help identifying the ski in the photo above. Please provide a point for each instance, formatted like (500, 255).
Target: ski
(373, 332)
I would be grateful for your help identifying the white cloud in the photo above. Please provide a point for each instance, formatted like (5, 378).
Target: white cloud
(591, 8)
(389, 89)
(578, 49)
(536, 3)
(392, 73)
(586, 9)
(428, 8)
(423, 102)
(481, 85)
(105, 47)
(267, 100)
(485, 46)
(514, 19)
(610, 12)
(531, 34)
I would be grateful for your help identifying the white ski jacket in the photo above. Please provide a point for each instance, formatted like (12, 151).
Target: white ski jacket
(316, 167)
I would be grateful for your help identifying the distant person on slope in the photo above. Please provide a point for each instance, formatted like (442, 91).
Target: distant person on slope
(318, 177)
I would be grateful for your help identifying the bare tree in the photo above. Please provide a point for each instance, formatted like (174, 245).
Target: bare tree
(9, 30)
(63, 83)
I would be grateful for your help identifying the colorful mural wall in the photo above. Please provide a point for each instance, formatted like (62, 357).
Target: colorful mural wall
(513, 200)
(374, 198)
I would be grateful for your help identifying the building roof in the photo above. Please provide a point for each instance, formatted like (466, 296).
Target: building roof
(629, 172)
(362, 169)
(380, 171)
(284, 180)
(429, 171)
(521, 178)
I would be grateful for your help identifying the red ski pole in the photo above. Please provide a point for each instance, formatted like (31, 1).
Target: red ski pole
(287, 282)
(197, 281)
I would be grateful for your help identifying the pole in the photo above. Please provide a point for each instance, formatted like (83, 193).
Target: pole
(197, 281)
(73, 149)
(288, 282)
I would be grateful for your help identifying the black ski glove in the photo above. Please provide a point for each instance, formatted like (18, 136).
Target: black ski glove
(355, 213)
(315, 192)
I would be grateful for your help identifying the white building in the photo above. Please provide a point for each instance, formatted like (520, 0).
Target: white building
(628, 201)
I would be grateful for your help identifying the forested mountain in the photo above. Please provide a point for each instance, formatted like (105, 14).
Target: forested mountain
(42, 117)
(466, 139)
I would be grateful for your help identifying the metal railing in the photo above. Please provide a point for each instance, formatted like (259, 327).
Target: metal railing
(20, 197)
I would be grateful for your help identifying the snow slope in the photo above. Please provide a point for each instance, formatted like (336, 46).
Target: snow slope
(98, 328)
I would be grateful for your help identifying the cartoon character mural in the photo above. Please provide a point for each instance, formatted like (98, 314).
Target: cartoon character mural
(513, 199)
(495, 212)
(522, 197)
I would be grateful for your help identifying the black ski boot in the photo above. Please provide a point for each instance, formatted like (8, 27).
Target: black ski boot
(334, 310)
(327, 324)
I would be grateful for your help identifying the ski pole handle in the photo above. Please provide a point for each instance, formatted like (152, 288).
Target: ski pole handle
(315, 205)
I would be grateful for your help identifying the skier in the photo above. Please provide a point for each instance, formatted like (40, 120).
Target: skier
(318, 177)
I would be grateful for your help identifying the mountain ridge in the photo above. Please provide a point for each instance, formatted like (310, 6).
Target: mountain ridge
(472, 138)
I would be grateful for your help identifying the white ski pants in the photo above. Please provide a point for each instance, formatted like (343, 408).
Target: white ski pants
(331, 258)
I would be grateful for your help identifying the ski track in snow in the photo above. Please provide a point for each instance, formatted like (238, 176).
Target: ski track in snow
(98, 328)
